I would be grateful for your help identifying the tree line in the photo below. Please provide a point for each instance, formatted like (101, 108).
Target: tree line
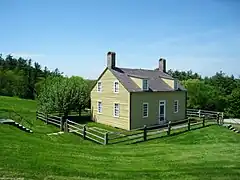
(22, 78)
(219, 92)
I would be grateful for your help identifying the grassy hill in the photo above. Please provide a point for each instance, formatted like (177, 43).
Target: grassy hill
(208, 153)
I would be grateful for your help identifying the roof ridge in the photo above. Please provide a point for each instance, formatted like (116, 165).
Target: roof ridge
(137, 69)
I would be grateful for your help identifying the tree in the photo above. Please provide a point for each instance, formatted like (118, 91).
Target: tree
(90, 84)
(233, 109)
(19, 77)
(62, 94)
(200, 95)
(82, 93)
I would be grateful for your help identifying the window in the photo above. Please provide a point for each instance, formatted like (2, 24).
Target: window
(145, 84)
(116, 86)
(175, 84)
(175, 106)
(116, 110)
(145, 110)
(99, 86)
(99, 106)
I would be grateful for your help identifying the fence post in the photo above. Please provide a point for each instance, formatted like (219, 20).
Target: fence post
(199, 112)
(222, 116)
(84, 132)
(61, 124)
(189, 123)
(203, 121)
(218, 118)
(47, 119)
(66, 126)
(106, 138)
(145, 133)
(169, 128)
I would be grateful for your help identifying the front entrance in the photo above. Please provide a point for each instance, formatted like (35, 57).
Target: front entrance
(162, 111)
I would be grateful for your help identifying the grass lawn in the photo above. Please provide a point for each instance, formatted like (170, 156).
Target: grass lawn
(207, 153)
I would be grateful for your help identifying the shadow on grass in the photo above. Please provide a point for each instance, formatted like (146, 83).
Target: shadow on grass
(127, 140)
(81, 120)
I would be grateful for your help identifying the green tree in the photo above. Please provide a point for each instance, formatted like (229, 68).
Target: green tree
(82, 93)
(200, 95)
(233, 109)
(62, 94)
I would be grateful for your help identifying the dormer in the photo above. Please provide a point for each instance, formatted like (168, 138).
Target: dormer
(141, 81)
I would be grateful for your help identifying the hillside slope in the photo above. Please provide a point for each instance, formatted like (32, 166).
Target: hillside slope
(207, 153)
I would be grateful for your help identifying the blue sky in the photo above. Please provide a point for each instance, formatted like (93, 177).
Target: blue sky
(75, 35)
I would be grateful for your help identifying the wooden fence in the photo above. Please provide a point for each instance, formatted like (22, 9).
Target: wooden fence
(145, 133)
(50, 119)
(151, 132)
(208, 114)
(86, 132)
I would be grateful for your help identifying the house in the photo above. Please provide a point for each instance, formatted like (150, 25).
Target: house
(131, 98)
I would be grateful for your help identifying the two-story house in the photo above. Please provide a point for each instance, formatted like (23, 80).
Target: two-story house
(131, 98)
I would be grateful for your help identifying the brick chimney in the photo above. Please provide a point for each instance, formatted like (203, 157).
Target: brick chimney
(162, 65)
(111, 60)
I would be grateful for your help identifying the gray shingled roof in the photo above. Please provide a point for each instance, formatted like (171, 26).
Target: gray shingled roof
(154, 76)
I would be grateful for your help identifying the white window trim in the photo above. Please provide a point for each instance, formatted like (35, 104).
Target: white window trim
(116, 81)
(100, 86)
(147, 84)
(145, 103)
(177, 106)
(98, 107)
(114, 109)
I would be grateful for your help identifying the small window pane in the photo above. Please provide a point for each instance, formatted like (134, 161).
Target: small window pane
(99, 86)
(99, 107)
(145, 110)
(176, 106)
(116, 86)
(116, 110)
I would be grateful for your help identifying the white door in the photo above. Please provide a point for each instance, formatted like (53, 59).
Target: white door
(162, 111)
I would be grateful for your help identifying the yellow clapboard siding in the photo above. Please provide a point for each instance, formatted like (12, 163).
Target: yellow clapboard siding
(108, 98)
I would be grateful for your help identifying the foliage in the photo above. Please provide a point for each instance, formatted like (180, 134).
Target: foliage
(63, 94)
(90, 84)
(233, 108)
(81, 93)
(19, 77)
(210, 93)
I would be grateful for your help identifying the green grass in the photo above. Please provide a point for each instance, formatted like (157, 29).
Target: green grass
(206, 153)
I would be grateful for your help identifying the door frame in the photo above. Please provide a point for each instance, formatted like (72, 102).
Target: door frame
(164, 101)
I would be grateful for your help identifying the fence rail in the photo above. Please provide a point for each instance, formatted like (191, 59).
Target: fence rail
(160, 130)
(49, 119)
(208, 114)
(85, 132)
(195, 118)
